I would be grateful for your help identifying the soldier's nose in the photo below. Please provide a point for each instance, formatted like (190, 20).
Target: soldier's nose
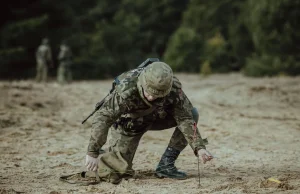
(150, 97)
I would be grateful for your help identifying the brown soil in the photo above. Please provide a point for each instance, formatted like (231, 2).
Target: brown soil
(253, 128)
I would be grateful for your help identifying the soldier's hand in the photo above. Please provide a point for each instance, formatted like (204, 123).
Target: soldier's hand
(205, 155)
(91, 163)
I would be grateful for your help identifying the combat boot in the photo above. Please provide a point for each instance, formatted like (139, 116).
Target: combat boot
(166, 167)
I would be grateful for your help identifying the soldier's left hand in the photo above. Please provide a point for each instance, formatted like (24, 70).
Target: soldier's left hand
(91, 163)
(205, 155)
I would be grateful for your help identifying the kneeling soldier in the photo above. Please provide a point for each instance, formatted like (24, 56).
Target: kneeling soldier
(149, 98)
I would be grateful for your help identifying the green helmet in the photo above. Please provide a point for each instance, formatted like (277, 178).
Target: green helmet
(157, 79)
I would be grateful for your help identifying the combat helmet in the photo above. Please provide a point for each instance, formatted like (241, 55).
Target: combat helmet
(157, 79)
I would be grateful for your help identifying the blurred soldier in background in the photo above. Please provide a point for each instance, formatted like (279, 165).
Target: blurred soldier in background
(44, 60)
(143, 99)
(64, 73)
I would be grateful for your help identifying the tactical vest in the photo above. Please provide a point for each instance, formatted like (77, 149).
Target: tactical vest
(127, 76)
(126, 84)
(42, 52)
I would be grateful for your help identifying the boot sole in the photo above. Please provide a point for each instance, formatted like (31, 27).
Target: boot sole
(161, 176)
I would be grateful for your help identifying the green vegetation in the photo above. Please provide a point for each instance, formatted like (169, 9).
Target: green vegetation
(259, 38)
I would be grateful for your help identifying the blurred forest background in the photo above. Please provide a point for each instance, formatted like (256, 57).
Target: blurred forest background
(256, 37)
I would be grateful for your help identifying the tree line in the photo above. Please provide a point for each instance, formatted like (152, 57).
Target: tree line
(258, 38)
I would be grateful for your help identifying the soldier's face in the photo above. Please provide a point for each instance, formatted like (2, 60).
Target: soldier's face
(149, 97)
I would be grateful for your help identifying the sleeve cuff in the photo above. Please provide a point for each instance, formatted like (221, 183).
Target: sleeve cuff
(200, 145)
(93, 154)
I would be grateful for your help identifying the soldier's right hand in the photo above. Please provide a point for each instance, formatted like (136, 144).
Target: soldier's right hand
(91, 163)
(205, 155)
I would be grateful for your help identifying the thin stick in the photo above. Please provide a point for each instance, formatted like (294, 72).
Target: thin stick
(199, 171)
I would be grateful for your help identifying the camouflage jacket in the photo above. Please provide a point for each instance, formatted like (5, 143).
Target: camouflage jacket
(65, 54)
(44, 53)
(122, 107)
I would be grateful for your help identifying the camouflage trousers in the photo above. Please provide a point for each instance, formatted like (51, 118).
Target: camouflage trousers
(64, 74)
(117, 162)
(41, 71)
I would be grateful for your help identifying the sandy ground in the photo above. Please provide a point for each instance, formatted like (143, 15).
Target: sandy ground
(253, 126)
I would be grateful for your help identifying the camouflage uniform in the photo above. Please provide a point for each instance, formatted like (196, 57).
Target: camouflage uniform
(43, 60)
(64, 73)
(130, 115)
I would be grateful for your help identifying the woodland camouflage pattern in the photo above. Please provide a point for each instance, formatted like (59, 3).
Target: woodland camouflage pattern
(64, 73)
(120, 113)
(43, 59)
(157, 78)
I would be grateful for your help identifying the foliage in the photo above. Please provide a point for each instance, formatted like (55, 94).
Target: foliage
(224, 39)
(108, 37)
(183, 50)
(274, 30)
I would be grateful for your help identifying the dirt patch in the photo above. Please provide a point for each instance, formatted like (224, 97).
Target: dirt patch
(276, 184)
(252, 125)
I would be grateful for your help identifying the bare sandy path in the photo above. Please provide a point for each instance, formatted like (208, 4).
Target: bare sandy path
(253, 128)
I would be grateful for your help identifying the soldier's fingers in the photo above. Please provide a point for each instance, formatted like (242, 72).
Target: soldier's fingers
(208, 153)
(89, 166)
(95, 168)
(203, 159)
(87, 163)
(92, 166)
(205, 156)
